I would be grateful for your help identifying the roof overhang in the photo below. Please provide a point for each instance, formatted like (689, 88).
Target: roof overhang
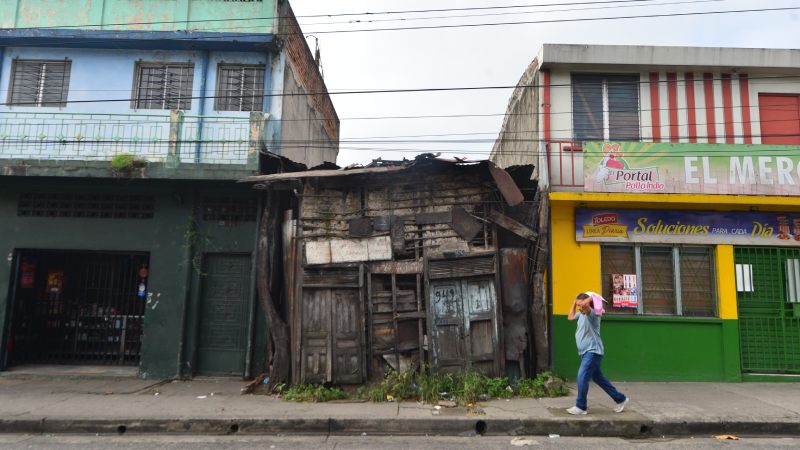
(137, 40)
(608, 57)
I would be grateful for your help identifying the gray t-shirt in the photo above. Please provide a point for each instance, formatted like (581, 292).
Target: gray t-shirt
(587, 336)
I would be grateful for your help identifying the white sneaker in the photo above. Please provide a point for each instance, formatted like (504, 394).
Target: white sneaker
(575, 411)
(621, 406)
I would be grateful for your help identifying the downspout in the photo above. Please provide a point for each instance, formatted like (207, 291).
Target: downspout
(202, 109)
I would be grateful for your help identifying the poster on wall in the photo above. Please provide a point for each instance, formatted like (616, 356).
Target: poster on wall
(624, 292)
(687, 227)
(734, 169)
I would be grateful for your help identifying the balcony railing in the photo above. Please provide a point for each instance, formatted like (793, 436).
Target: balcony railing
(174, 137)
(565, 165)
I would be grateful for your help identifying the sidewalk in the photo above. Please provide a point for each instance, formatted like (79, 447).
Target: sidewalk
(114, 405)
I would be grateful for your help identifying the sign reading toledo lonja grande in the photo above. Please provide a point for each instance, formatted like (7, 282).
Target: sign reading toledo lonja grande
(688, 227)
(642, 167)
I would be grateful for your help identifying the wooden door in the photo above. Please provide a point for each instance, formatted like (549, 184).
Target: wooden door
(447, 326)
(332, 327)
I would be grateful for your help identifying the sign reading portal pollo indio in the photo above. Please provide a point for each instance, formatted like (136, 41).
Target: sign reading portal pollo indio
(642, 167)
(688, 227)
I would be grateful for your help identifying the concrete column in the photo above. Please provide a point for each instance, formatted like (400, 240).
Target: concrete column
(258, 126)
(174, 144)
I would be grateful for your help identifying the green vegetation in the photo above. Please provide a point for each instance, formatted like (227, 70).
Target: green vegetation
(125, 162)
(309, 393)
(431, 388)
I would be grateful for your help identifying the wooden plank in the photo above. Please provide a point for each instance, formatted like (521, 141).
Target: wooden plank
(398, 267)
(433, 217)
(508, 188)
(512, 225)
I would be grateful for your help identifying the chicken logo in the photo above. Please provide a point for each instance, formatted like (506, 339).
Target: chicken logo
(612, 160)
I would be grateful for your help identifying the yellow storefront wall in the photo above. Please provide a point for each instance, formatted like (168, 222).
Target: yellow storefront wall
(648, 347)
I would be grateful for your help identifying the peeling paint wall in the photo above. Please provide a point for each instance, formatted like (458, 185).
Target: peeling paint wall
(200, 15)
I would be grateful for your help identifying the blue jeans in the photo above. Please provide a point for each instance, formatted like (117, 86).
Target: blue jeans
(590, 370)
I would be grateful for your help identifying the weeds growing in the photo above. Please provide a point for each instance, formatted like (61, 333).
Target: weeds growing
(431, 388)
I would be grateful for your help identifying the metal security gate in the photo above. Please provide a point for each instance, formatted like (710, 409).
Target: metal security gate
(224, 315)
(78, 307)
(768, 295)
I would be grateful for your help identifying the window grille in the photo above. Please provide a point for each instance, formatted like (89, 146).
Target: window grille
(678, 280)
(229, 209)
(86, 206)
(240, 88)
(605, 107)
(39, 83)
(163, 86)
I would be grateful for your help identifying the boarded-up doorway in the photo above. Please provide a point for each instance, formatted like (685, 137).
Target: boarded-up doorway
(224, 315)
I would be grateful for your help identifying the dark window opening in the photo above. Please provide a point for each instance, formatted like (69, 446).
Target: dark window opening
(86, 206)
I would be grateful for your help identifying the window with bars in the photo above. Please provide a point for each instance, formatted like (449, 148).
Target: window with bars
(240, 87)
(39, 83)
(605, 107)
(163, 86)
(673, 280)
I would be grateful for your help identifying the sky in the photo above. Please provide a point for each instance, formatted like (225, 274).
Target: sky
(389, 126)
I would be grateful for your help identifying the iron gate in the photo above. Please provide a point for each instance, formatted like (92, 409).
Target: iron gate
(767, 283)
(78, 307)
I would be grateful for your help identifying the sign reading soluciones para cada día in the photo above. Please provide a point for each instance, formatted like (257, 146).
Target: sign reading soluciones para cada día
(733, 169)
(688, 227)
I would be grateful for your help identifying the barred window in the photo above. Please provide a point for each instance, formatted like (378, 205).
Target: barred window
(39, 83)
(605, 107)
(240, 87)
(163, 86)
(671, 280)
(230, 209)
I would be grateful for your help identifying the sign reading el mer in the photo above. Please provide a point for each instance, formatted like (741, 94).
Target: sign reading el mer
(688, 227)
(641, 167)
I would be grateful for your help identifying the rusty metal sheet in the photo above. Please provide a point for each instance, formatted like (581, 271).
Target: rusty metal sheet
(512, 225)
(433, 218)
(515, 299)
(382, 223)
(508, 188)
(464, 224)
(360, 227)
(398, 267)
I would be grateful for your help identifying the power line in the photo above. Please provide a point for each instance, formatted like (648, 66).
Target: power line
(376, 13)
(388, 91)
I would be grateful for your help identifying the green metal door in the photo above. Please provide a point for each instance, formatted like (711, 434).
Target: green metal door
(224, 315)
(767, 283)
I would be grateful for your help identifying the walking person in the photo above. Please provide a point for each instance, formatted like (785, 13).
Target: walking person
(590, 348)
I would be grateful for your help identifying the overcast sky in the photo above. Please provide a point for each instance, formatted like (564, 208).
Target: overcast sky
(488, 56)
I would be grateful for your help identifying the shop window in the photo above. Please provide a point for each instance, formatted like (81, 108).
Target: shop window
(39, 83)
(163, 86)
(240, 88)
(605, 107)
(659, 280)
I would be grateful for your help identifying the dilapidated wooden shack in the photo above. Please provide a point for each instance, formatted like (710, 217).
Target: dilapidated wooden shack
(428, 263)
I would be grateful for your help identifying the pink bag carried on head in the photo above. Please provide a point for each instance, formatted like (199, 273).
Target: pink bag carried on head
(597, 302)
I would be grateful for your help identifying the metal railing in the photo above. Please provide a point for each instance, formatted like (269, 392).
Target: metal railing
(100, 137)
(565, 164)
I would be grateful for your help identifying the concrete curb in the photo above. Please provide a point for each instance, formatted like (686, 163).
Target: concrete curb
(417, 427)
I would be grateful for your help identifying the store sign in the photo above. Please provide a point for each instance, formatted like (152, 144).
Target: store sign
(624, 290)
(689, 227)
(642, 167)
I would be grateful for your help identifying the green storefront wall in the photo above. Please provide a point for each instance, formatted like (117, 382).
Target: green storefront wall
(656, 349)
(176, 238)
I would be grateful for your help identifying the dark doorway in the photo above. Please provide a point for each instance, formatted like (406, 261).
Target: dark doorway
(224, 315)
(78, 307)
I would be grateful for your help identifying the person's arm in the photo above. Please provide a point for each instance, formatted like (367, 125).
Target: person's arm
(571, 315)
